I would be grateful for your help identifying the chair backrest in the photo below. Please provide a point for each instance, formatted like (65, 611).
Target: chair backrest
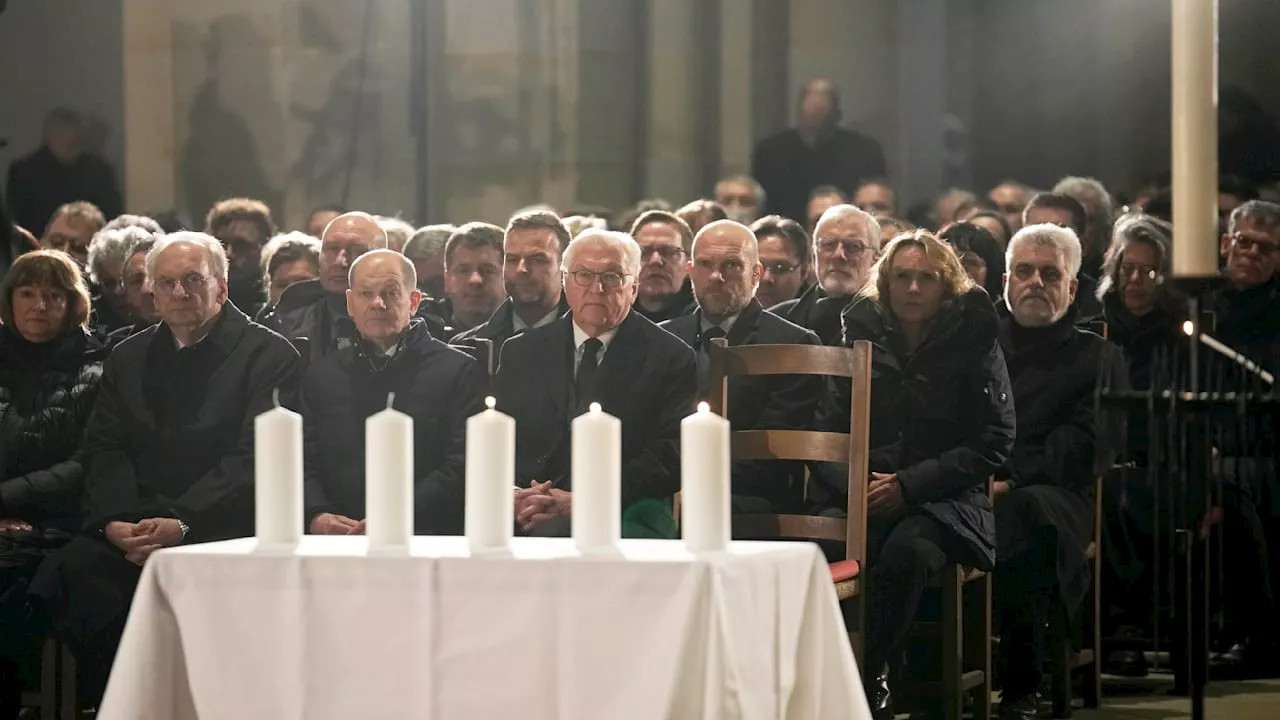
(482, 350)
(851, 448)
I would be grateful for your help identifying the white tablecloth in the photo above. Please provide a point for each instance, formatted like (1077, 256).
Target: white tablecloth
(218, 631)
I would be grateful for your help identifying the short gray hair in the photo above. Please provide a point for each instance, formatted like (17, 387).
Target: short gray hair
(114, 246)
(1047, 234)
(217, 255)
(1258, 212)
(407, 269)
(594, 238)
(288, 247)
(756, 187)
(1090, 193)
(398, 231)
(428, 242)
(1137, 227)
(840, 212)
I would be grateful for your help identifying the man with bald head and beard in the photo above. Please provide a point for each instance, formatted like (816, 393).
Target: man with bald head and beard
(310, 311)
(436, 385)
(725, 270)
(846, 242)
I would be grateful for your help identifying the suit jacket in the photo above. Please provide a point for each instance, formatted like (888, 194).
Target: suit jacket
(773, 402)
(815, 310)
(439, 387)
(500, 327)
(647, 379)
(188, 457)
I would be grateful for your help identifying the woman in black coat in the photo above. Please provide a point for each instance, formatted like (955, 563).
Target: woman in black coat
(49, 372)
(942, 422)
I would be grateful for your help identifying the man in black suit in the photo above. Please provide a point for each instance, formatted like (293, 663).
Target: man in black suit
(726, 271)
(438, 386)
(169, 447)
(604, 352)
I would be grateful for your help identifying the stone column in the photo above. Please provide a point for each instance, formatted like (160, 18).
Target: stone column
(149, 172)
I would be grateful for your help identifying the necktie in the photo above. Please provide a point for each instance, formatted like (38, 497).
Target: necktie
(704, 357)
(710, 334)
(585, 382)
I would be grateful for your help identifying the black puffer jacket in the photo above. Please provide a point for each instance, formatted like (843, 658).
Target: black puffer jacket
(942, 417)
(47, 391)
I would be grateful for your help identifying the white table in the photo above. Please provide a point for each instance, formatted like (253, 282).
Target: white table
(219, 631)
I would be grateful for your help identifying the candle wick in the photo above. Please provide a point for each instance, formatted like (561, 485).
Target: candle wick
(391, 399)
(275, 397)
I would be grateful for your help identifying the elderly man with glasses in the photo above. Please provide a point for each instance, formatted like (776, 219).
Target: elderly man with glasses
(169, 447)
(601, 351)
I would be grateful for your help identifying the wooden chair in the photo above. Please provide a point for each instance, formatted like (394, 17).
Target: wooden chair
(852, 448)
(1064, 659)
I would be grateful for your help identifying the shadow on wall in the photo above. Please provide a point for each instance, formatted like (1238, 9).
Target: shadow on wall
(221, 157)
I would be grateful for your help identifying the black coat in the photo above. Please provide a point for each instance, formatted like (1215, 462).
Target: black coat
(172, 433)
(1156, 352)
(788, 169)
(647, 379)
(773, 402)
(680, 304)
(437, 386)
(47, 391)
(39, 183)
(500, 327)
(817, 311)
(942, 418)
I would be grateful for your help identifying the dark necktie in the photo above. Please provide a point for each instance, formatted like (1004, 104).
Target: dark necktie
(585, 382)
(712, 333)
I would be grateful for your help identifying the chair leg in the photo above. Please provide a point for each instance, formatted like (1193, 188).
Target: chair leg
(49, 679)
(70, 702)
(977, 642)
(1060, 662)
(1092, 690)
(854, 612)
(952, 644)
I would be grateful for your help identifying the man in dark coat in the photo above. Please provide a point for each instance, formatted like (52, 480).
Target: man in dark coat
(438, 386)
(663, 285)
(942, 421)
(313, 309)
(60, 172)
(601, 352)
(846, 242)
(725, 271)
(169, 448)
(816, 152)
(1044, 495)
(533, 244)
(1065, 211)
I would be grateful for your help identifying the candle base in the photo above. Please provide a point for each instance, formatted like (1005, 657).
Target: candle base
(388, 551)
(491, 553)
(274, 547)
(599, 551)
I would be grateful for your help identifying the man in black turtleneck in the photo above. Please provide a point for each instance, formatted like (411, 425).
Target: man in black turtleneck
(1044, 516)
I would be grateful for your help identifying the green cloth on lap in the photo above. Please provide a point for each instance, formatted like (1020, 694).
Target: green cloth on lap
(649, 518)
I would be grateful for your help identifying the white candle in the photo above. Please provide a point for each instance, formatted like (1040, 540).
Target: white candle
(704, 481)
(597, 481)
(491, 471)
(1195, 137)
(277, 476)
(388, 452)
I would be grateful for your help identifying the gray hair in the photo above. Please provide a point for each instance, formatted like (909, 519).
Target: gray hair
(398, 231)
(1090, 193)
(594, 238)
(288, 247)
(407, 270)
(756, 187)
(114, 246)
(840, 212)
(1258, 212)
(217, 255)
(1129, 229)
(428, 242)
(1045, 234)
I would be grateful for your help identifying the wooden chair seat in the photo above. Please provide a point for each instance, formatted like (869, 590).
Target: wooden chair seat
(844, 573)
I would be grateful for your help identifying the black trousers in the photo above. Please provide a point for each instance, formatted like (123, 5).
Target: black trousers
(904, 557)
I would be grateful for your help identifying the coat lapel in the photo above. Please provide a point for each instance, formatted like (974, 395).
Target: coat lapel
(622, 363)
(558, 349)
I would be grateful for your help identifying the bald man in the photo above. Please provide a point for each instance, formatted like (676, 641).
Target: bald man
(846, 243)
(725, 270)
(393, 352)
(309, 312)
(815, 152)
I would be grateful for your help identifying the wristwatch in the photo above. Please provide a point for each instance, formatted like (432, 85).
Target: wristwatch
(185, 528)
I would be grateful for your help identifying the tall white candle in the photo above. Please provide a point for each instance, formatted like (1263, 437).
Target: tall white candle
(491, 471)
(277, 476)
(597, 481)
(1195, 137)
(388, 452)
(704, 481)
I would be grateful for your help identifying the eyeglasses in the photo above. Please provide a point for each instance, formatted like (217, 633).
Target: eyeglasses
(669, 253)
(609, 279)
(111, 284)
(1144, 272)
(852, 248)
(191, 283)
(780, 268)
(1246, 243)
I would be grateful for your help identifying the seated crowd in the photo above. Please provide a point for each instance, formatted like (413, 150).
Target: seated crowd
(133, 362)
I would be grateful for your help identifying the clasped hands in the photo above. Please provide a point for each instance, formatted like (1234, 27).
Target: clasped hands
(884, 494)
(138, 540)
(335, 524)
(540, 502)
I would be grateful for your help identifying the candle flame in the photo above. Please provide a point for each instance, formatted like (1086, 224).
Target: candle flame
(275, 397)
(391, 400)
(594, 407)
(704, 407)
(490, 402)
(1188, 328)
